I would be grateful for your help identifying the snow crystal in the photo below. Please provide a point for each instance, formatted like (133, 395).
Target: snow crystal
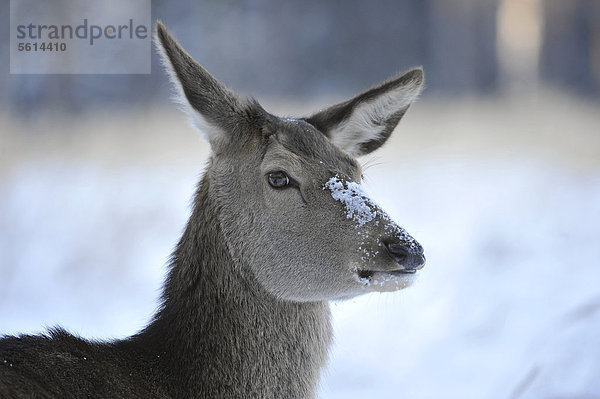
(365, 281)
(354, 199)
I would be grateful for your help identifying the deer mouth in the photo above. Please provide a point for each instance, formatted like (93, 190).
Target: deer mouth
(367, 274)
(402, 271)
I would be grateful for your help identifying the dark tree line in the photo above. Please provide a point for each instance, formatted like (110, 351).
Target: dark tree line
(313, 47)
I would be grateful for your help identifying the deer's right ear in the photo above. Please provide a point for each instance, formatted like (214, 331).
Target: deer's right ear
(211, 107)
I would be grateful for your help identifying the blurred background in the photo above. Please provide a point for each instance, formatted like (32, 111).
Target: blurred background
(496, 171)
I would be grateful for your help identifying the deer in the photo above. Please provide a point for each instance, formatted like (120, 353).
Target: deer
(280, 226)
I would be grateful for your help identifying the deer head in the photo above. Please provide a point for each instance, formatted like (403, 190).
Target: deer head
(287, 191)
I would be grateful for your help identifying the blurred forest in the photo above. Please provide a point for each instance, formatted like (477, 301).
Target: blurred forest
(312, 48)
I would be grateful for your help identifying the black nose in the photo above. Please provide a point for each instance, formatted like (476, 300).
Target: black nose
(409, 259)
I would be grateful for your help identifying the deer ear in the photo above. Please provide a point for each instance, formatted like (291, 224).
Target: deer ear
(363, 123)
(211, 107)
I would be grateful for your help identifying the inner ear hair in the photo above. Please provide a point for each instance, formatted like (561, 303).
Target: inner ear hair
(364, 123)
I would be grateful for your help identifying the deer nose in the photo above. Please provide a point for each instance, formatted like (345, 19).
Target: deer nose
(409, 259)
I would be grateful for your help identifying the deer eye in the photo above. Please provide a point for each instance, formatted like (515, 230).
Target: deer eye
(278, 179)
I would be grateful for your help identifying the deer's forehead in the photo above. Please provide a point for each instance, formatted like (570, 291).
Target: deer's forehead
(300, 142)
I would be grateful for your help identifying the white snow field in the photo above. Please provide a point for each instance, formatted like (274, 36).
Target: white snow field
(506, 203)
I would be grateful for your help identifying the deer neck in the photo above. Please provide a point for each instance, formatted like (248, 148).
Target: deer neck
(221, 334)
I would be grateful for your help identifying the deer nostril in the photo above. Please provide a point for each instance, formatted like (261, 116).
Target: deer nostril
(398, 251)
(404, 256)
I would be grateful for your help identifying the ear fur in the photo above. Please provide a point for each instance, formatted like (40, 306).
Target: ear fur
(210, 106)
(363, 123)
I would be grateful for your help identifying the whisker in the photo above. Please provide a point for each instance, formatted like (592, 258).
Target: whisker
(370, 162)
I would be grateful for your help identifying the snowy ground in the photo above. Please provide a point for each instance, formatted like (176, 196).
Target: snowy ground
(508, 305)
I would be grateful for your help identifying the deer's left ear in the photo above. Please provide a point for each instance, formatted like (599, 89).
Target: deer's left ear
(363, 123)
